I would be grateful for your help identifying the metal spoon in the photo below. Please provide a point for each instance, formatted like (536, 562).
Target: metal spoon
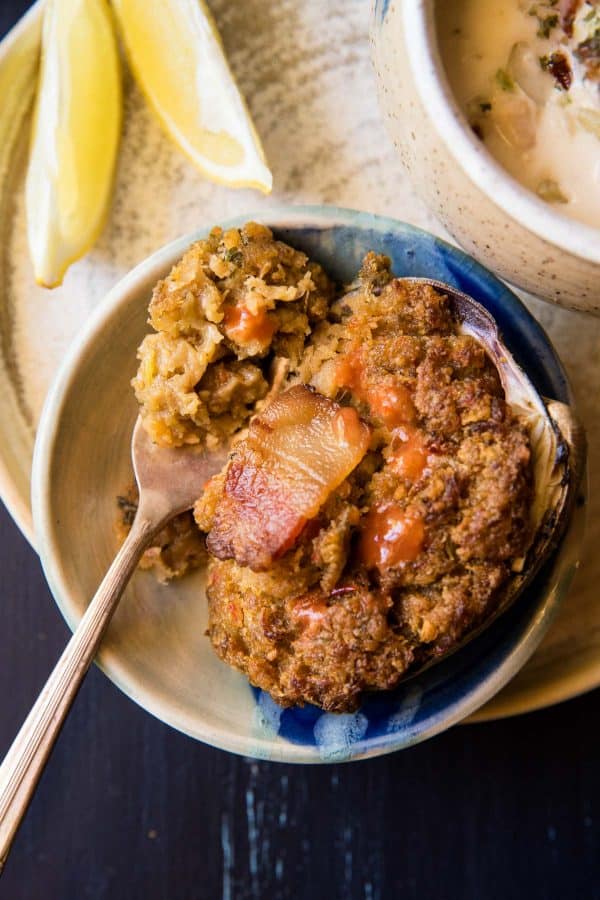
(169, 482)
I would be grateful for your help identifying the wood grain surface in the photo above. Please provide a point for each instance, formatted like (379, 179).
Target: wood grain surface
(130, 809)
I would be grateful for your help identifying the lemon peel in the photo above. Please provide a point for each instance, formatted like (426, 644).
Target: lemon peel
(75, 135)
(176, 55)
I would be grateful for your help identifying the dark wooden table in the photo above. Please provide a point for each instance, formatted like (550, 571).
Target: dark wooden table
(130, 809)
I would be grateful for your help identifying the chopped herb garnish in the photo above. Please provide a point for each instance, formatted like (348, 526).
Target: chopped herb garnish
(546, 25)
(590, 120)
(478, 106)
(235, 256)
(549, 191)
(504, 80)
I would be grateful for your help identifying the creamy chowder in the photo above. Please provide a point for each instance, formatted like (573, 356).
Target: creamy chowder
(527, 75)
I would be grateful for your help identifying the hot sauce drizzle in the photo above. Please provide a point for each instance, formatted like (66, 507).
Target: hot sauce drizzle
(391, 402)
(348, 427)
(409, 453)
(387, 399)
(243, 326)
(390, 536)
(309, 613)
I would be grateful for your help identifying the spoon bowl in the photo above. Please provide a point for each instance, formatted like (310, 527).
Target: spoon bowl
(170, 480)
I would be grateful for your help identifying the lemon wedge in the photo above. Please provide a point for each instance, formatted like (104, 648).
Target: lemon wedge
(76, 129)
(177, 57)
(18, 73)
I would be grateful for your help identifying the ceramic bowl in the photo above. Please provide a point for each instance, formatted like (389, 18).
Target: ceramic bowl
(493, 217)
(156, 649)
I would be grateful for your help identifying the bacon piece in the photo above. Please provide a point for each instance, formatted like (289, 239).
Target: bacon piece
(568, 9)
(297, 452)
(560, 69)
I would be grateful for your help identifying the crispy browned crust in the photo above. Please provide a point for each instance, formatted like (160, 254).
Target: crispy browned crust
(177, 549)
(307, 648)
(324, 623)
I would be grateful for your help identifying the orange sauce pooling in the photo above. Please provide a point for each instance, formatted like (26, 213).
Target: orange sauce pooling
(389, 401)
(243, 326)
(409, 453)
(309, 613)
(390, 536)
(349, 428)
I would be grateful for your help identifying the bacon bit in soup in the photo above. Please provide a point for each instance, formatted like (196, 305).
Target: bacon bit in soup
(568, 9)
(559, 67)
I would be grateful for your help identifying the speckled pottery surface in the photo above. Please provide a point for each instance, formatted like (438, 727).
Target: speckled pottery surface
(313, 101)
(156, 649)
(492, 216)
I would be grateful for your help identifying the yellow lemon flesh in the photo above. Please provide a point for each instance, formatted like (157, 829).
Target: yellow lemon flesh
(77, 124)
(177, 57)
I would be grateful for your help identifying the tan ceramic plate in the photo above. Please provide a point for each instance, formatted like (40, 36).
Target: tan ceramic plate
(322, 150)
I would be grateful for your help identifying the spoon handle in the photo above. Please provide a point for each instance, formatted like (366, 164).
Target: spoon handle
(26, 758)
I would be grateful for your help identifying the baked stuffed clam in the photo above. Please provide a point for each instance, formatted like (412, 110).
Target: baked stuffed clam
(394, 486)
(556, 436)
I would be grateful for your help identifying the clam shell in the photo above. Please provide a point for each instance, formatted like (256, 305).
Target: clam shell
(558, 447)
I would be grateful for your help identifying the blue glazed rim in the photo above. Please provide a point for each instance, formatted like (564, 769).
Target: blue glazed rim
(453, 689)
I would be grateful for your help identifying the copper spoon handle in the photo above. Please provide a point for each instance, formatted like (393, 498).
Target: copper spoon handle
(25, 761)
